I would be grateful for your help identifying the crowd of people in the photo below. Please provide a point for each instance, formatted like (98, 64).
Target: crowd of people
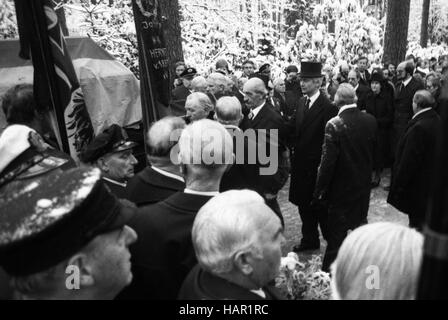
(202, 220)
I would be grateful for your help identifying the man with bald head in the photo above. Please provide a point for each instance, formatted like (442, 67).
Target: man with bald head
(268, 126)
(405, 89)
(198, 106)
(237, 240)
(413, 167)
(242, 174)
(361, 90)
(164, 254)
(162, 178)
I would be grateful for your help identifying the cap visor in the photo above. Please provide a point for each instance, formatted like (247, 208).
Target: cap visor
(126, 212)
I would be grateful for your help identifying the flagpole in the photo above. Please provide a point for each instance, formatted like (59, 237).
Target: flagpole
(38, 22)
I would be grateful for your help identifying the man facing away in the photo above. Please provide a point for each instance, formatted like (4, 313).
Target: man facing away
(344, 174)
(164, 254)
(162, 177)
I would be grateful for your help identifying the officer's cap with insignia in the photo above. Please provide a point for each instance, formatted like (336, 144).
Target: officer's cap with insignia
(53, 217)
(188, 73)
(23, 154)
(111, 140)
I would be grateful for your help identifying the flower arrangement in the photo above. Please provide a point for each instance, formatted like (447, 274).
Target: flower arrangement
(303, 281)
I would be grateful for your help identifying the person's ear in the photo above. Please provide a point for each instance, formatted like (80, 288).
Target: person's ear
(80, 263)
(242, 262)
(102, 164)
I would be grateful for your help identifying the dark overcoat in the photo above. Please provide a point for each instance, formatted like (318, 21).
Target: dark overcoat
(413, 167)
(307, 137)
(163, 254)
(149, 186)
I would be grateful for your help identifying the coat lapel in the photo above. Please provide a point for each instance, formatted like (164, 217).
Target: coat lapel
(313, 113)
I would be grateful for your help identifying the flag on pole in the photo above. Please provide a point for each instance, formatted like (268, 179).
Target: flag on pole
(56, 87)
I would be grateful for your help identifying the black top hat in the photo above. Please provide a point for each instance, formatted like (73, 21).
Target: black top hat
(47, 220)
(310, 69)
(188, 73)
(110, 140)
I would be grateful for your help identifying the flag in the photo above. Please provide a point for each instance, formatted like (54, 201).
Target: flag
(56, 85)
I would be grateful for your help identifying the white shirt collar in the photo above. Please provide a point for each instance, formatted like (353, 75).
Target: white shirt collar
(259, 292)
(349, 106)
(202, 193)
(313, 98)
(421, 111)
(256, 110)
(122, 184)
(168, 174)
(231, 126)
(406, 82)
(357, 86)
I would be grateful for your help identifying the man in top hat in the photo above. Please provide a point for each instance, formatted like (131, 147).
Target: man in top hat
(24, 155)
(179, 95)
(110, 152)
(307, 128)
(64, 236)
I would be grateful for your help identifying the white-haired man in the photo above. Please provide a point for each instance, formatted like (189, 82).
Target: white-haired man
(268, 126)
(344, 175)
(199, 84)
(237, 239)
(217, 86)
(308, 127)
(162, 178)
(164, 254)
(198, 106)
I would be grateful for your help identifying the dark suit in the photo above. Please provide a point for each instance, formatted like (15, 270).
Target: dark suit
(149, 186)
(366, 80)
(293, 92)
(361, 94)
(178, 99)
(413, 167)
(403, 110)
(202, 285)
(344, 175)
(269, 119)
(308, 130)
(380, 106)
(118, 190)
(242, 174)
(163, 254)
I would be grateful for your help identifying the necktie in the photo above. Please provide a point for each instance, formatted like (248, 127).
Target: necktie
(307, 105)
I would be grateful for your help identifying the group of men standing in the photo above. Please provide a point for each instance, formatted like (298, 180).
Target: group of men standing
(180, 237)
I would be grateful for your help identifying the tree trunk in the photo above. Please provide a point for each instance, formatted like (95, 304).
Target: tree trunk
(396, 34)
(173, 37)
(425, 19)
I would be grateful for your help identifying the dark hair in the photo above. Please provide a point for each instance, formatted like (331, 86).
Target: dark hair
(18, 104)
(409, 67)
(363, 58)
(250, 62)
(410, 56)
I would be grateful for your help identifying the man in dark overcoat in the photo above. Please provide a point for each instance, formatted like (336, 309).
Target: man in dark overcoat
(343, 179)
(162, 177)
(406, 87)
(164, 254)
(307, 128)
(414, 161)
(179, 94)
